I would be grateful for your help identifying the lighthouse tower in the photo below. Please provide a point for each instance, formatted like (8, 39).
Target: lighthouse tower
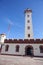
(28, 24)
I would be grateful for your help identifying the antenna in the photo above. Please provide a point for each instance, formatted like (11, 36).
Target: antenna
(10, 23)
(9, 27)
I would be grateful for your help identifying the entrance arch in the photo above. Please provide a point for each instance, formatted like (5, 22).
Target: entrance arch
(29, 50)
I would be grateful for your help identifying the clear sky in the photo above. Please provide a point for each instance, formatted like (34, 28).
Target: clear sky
(12, 12)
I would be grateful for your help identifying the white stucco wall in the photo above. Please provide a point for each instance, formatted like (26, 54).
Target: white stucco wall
(0, 45)
(12, 49)
(2, 38)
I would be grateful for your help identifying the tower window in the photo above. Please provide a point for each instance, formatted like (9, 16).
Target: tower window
(28, 21)
(41, 49)
(27, 15)
(28, 27)
(28, 35)
(6, 47)
(17, 48)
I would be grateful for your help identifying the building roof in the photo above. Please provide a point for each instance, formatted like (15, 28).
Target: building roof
(27, 10)
(32, 41)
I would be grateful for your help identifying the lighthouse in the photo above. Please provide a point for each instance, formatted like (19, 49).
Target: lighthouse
(28, 24)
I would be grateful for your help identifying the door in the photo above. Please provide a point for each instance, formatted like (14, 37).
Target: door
(29, 50)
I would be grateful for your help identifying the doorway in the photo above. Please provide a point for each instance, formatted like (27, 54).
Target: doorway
(29, 50)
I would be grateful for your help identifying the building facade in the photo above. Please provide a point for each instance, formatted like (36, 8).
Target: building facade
(23, 47)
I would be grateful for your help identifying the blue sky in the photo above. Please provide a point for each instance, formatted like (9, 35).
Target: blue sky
(12, 12)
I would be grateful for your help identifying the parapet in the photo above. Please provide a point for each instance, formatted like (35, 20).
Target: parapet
(32, 41)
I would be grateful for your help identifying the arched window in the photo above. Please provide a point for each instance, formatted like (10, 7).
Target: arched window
(41, 49)
(28, 35)
(27, 15)
(6, 47)
(28, 21)
(17, 48)
(28, 27)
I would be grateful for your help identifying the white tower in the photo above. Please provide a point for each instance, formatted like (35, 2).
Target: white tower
(2, 38)
(28, 24)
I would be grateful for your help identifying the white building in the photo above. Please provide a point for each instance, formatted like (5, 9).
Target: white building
(28, 46)
(23, 47)
(2, 38)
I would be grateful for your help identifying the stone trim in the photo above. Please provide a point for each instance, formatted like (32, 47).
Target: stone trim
(12, 54)
(21, 55)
